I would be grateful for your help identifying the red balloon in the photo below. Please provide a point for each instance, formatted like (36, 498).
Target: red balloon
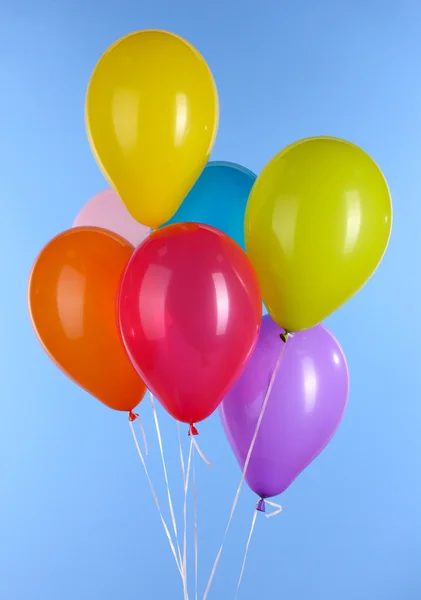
(190, 311)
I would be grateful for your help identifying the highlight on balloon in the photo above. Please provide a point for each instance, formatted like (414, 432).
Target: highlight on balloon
(157, 287)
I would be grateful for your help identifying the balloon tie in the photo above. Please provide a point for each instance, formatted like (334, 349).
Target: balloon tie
(193, 430)
(246, 464)
(285, 336)
(155, 498)
(135, 417)
(260, 507)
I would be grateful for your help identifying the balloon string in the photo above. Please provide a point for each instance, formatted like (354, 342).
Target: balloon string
(183, 471)
(197, 449)
(278, 509)
(161, 448)
(183, 475)
(200, 452)
(246, 464)
(145, 441)
(196, 535)
(253, 523)
(186, 487)
(155, 497)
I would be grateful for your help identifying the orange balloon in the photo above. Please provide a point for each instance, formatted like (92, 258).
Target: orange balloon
(72, 301)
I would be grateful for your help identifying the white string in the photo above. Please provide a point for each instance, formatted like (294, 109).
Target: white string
(145, 441)
(278, 510)
(183, 474)
(196, 448)
(167, 533)
(186, 487)
(199, 451)
(183, 471)
(161, 448)
(196, 535)
(253, 523)
(246, 464)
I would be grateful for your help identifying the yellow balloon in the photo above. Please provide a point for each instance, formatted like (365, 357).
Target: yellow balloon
(317, 224)
(152, 117)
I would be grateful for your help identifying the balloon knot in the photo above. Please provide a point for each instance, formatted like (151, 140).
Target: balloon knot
(284, 336)
(132, 416)
(193, 430)
(261, 505)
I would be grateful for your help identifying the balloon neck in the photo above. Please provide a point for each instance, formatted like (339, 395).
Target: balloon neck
(132, 416)
(285, 336)
(193, 430)
(261, 505)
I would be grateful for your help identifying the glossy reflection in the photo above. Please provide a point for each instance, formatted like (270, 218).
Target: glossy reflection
(305, 407)
(317, 224)
(152, 116)
(190, 311)
(72, 301)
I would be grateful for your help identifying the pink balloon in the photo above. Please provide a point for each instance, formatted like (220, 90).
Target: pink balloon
(106, 210)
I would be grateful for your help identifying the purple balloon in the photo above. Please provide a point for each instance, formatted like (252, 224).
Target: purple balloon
(304, 409)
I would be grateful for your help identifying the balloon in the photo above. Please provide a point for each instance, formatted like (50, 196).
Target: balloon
(151, 117)
(190, 310)
(219, 199)
(304, 409)
(317, 224)
(107, 211)
(72, 297)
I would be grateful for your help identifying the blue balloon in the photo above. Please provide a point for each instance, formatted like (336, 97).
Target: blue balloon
(219, 199)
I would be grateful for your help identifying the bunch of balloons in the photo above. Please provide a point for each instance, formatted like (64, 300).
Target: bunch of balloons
(159, 284)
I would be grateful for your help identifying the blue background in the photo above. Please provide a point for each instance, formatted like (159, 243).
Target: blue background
(76, 517)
